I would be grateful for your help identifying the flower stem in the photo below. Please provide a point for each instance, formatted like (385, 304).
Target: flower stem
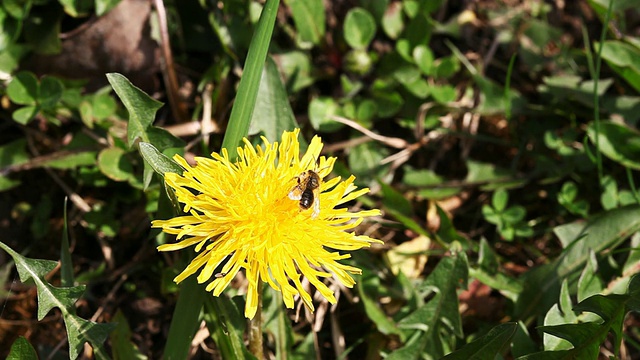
(255, 328)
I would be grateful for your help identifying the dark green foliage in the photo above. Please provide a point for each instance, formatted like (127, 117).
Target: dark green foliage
(504, 137)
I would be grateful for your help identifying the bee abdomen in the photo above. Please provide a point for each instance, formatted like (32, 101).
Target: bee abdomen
(306, 199)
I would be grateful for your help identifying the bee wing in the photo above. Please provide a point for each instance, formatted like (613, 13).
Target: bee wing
(316, 207)
(295, 194)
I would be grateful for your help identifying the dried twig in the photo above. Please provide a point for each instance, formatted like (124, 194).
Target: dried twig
(178, 107)
(208, 125)
(397, 143)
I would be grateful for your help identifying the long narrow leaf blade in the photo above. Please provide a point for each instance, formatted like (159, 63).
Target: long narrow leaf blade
(248, 89)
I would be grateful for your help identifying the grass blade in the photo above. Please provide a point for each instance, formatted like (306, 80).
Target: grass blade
(250, 82)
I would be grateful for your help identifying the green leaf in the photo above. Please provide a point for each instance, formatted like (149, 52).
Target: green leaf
(86, 114)
(49, 296)
(488, 272)
(359, 28)
(492, 99)
(18, 9)
(522, 342)
(366, 112)
(560, 313)
(226, 324)
(368, 285)
(350, 87)
(423, 57)
(79, 330)
(8, 184)
(609, 194)
(160, 163)
(440, 314)
(600, 233)
(479, 172)
(624, 59)
(500, 199)
(22, 350)
(407, 74)
(392, 20)
(70, 160)
(305, 350)
(103, 105)
(567, 198)
(634, 255)
(418, 30)
(76, 8)
(66, 266)
(364, 161)
(491, 215)
(514, 214)
(618, 142)
(121, 345)
(389, 102)
(309, 17)
(634, 291)
(244, 105)
(23, 88)
(14, 153)
(446, 67)
(427, 182)
(443, 94)
(10, 56)
(114, 164)
(394, 200)
(377, 8)
(321, 109)
(185, 319)
(403, 48)
(142, 108)
(103, 6)
(488, 346)
(297, 69)
(273, 114)
(50, 92)
(10, 30)
(25, 114)
(616, 5)
(277, 323)
(589, 283)
(419, 88)
(576, 334)
(163, 139)
(587, 338)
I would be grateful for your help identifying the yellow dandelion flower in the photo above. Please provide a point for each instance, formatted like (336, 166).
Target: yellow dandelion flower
(242, 212)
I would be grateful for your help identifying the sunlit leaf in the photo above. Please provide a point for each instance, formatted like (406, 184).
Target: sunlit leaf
(618, 142)
(114, 164)
(79, 330)
(22, 350)
(359, 28)
(273, 114)
(23, 88)
(309, 18)
(142, 108)
(440, 313)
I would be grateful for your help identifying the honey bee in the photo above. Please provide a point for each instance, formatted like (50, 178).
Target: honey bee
(307, 191)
